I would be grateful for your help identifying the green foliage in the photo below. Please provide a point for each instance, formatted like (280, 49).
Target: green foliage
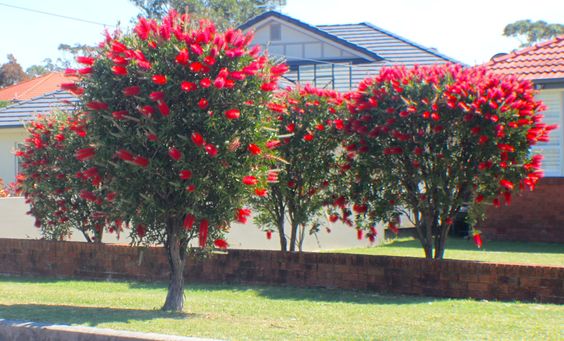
(529, 32)
(225, 13)
(426, 141)
(306, 116)
(58, 187)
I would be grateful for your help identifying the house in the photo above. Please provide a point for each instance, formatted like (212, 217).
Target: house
(335, 56)
(13, 119)
(538, 215)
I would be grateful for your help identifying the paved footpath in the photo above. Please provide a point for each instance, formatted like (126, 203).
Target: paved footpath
(12, 330)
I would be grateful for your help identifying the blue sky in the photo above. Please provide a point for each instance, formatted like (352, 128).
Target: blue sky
(467, 31)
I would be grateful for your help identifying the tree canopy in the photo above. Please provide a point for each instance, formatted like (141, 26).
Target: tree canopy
(225, 13)
(11, 72)
(530, 32)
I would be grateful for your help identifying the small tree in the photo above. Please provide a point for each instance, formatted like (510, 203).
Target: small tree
(308, 118)
(64, 193)
(173, 110)
(429, 140)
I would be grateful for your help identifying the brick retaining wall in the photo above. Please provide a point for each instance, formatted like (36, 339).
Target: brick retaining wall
(536, 216)
(398, 275)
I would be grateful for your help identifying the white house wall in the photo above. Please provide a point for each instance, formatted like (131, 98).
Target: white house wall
(297, 44)
(9, 137)
(552, 151)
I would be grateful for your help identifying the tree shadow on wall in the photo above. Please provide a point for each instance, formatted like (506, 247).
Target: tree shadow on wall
(87, 316)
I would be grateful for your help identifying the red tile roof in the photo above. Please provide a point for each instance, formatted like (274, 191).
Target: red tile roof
(34, 87)
(541, 61)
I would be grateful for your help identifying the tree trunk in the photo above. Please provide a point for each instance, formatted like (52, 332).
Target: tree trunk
(282, 233)
(176, 255)
(440, 242)
(293, 236)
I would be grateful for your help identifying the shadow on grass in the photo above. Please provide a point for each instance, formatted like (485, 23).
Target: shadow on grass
(491, 246)
(88, 316)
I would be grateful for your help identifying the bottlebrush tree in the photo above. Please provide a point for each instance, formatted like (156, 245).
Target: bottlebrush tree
(173, 110)
(63, 192)
(428, 140)
(308, 119)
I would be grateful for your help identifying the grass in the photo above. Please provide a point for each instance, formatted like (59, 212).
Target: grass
(459, 248)
(275, 313)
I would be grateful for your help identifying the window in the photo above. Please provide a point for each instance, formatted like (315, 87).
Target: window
(275, 32)
(336, 76)
(553, 149)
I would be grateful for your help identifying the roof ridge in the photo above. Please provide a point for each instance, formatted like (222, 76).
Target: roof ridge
(528, 49)
(407, 41)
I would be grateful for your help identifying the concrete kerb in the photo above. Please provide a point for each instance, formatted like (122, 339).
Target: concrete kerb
(13, 330)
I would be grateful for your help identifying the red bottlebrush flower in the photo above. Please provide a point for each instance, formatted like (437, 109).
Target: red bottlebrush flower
(156, 96)
(189, 221)
(211, 150)
(360, 208)
(269, 234)
(308, 137)
(219, 82)
(496, 203)
(191, 188)
(85, 154)
(339, 124)
(163, 108)
(254, 149)
(183, 57)
(261, 192)
(147, 110)
(124, 155)
(250, 180)
(119, 70)
(185, 174)
(393, 151)
(269, 86)
(196, 67)
(131, 90)
(320, 127)
(111, 196)
(140, 230)
(242, 215)
(479, 198)
(506, 183)
(159, 79)
(95, 105)
(393, 227)
(119, 115)
(203, 103)
(85, 60)
(85, 70)
(232, 114)
(333, 218)
(174, 154)
(291, 127)
(359, 234)
(140, 161)
(188, 86)
(272, 144)
(203, 233)
(477, 237)
(60, 137)
(483, 139)
(205, 83)
(198, 139)
(220, 244)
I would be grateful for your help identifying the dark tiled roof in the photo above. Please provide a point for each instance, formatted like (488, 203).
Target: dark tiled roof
(17, 114)
(391, 47)
(313, 29)
(541, 61)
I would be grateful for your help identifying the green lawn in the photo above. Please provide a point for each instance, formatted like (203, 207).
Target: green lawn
(275, 313)
(458, 248)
